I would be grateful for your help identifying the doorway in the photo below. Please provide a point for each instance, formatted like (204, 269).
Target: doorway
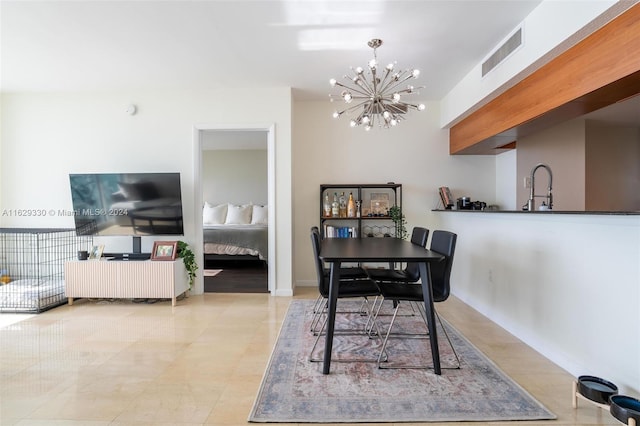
(232, 145)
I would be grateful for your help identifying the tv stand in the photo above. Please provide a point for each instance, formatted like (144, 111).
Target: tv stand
(124, 279)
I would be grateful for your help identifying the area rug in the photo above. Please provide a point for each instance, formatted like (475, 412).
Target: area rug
(294, 390)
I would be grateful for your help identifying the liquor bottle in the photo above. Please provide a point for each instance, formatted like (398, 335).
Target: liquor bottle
(343, 206)
(326, 206)
(351, 206)
(335, 207)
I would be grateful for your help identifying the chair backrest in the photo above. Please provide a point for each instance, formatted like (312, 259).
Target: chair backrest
(443, 242)
(315, 244)
(419, 237)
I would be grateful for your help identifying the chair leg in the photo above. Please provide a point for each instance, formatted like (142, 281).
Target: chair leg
(383, 365)
(448, 340)
(367, 331)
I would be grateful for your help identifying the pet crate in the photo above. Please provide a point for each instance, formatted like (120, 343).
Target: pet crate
(32, 267)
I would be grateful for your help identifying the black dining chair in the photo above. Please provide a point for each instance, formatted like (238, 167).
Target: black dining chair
(349, 289)
(443, 242)
(411, 273)
(350, 272)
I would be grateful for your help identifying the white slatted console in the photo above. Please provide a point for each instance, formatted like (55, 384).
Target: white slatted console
(127, 279)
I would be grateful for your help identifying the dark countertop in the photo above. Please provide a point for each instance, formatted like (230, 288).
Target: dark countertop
(543, 212)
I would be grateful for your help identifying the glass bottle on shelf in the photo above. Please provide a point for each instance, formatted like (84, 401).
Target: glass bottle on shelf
(343, 206)
(326, 207)
(335, 207)
(351, 206)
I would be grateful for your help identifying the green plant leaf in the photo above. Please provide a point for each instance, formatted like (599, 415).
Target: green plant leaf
(189, 259)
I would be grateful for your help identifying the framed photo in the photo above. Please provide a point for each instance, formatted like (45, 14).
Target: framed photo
(379, 204)
(96, 252)
(164, 250)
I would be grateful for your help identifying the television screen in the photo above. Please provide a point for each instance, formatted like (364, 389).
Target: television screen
(135, 204)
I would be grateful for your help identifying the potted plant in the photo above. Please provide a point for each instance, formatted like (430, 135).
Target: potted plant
(189, 259)
(395, 212)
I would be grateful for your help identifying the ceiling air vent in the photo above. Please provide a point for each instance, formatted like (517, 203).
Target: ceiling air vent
(502, 52)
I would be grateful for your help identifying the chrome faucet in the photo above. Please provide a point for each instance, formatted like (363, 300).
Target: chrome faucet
(531, 205)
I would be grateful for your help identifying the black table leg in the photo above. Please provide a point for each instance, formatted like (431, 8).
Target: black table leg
(427, 291)
(331, 319)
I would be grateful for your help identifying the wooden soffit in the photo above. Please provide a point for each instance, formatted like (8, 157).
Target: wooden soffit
(600, 70)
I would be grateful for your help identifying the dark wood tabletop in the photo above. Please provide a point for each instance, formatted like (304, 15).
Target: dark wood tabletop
(375, 250)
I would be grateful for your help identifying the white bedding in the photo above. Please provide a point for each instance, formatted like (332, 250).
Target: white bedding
(236, 240)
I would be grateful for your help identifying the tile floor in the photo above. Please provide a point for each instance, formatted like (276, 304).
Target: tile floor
(200, 363)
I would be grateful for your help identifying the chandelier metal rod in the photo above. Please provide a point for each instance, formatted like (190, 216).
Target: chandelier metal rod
(395, 83)
(374, 95)
(356, 89)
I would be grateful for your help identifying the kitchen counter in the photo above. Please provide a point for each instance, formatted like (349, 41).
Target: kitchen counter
(543, 212)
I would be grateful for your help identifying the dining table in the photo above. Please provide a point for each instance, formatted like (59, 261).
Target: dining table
(337, 251)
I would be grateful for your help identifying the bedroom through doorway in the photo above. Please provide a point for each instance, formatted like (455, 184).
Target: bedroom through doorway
(235, 193)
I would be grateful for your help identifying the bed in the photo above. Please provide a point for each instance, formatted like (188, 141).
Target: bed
(235, 230)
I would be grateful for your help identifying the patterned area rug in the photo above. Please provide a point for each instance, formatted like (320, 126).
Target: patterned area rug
(294, 390)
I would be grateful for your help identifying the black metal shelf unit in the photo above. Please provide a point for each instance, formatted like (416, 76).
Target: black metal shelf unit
(373, 221)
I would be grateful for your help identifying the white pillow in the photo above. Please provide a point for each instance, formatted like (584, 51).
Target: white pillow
(214, 215)
(238, 215)
(259, 215)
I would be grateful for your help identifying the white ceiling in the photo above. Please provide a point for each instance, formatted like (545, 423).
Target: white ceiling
(128, 45)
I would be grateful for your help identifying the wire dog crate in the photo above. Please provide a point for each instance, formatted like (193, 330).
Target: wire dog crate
(32, 267)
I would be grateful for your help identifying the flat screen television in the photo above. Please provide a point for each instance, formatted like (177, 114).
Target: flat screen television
(127, 204)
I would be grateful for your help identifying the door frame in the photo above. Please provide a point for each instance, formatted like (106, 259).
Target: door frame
(198, 131)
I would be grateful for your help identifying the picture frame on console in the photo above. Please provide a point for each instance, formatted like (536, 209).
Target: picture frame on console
(96, 252)
(164, 250)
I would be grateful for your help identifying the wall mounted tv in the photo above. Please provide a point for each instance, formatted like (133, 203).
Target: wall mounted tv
(127, 204)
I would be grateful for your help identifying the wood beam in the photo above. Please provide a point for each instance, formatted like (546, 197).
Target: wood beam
(600, 70)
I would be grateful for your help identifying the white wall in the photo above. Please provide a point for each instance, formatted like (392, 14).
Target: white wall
(234, 176)
(506, 181)
(567, 285)
(47, 136)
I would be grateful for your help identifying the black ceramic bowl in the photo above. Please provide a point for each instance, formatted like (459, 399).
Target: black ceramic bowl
(596, 389)
(625, 407)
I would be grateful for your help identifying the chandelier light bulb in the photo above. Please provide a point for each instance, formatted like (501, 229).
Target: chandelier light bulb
(376, 95)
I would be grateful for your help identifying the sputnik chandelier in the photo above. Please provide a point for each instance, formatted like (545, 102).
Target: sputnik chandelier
(376, 98)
